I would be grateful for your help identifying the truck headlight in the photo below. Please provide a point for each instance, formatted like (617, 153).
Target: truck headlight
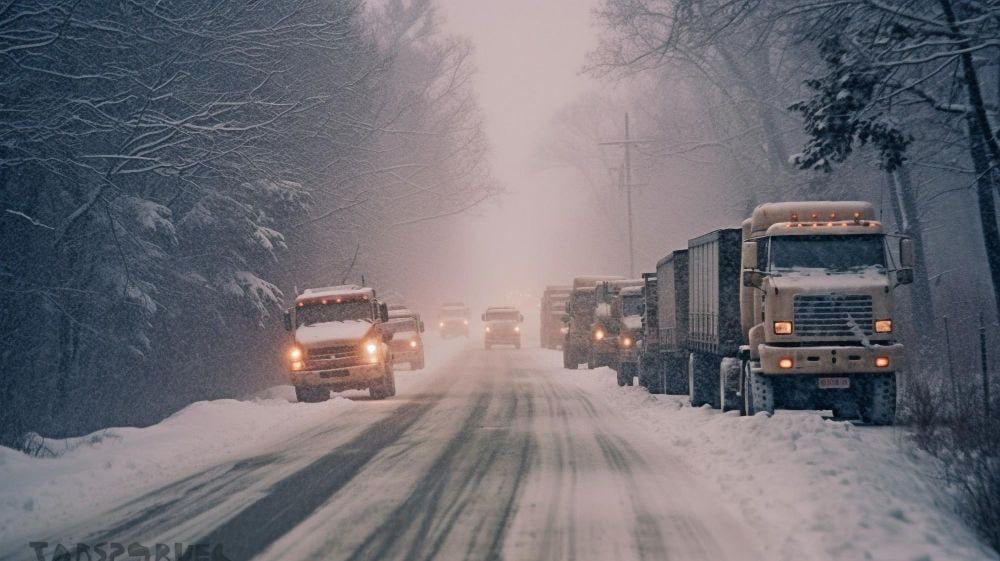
(441, 324)
(465, 321)
(371, 348)
(882, 362)
(564, 330)
(295, 353)
(783, 328)
(599, 334)
(517, 329)
(627, 342)
(413, 344)
(785, 362)
(883, 326)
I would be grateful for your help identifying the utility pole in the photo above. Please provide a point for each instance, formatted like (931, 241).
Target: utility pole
(627, 185)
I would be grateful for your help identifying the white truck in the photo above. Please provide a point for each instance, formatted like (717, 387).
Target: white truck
(338, 343)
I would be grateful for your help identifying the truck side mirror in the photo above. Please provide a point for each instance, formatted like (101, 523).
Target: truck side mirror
(383, 309)
(482, 317)
(749, 255)
(421, 326)
(906, 253)
(753, 278)
(904, 276)
(288, 320)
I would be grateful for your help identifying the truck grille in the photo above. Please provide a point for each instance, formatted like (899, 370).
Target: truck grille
(334, 353)
(833, 315)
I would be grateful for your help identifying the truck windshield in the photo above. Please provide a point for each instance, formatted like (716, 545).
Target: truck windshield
(833, 253)
(506, 315)
(323, 313)
(632, 305)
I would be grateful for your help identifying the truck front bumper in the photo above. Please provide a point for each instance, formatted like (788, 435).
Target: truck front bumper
(830, 360)
(357, 377)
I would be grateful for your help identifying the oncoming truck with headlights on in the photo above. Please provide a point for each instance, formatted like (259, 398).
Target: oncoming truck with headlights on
(795, 310)
(338, 343)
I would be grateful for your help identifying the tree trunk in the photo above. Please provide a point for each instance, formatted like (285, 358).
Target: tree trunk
(985, 153)
(922, 313)
(987, 209)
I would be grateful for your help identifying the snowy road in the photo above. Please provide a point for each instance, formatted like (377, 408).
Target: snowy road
(488, 456)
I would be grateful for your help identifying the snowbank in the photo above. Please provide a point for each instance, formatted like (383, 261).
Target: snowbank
(108, 466)
(812, 488)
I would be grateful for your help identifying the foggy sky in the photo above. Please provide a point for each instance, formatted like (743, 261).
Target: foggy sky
(528, 55)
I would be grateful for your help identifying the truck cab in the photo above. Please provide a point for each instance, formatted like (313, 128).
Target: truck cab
(453, 320)
(407, 345)
(502, 326)
(338, 343)
(607, 323)
(628, 307)
(579, 319)
(817, 309)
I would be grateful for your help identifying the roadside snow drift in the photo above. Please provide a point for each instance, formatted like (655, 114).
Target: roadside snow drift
(813, 488)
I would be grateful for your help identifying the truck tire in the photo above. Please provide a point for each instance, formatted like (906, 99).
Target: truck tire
(702, 380)
(568, 363)
(878, 405)
(309, 394)
(624, 377)
(758, 392)
(729, 385)
(674, 373)
(385, 387)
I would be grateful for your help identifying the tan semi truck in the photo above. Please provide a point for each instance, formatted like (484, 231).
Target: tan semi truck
(338, 343)
(795, 310)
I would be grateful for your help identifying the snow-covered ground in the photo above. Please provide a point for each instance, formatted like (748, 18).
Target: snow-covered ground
(812, 488)
(501, 453)
(93, 472)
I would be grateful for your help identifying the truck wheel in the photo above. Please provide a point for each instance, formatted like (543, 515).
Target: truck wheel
(758, 392)
(729, 385)
(702, 381)
(568, 360)
(385, 387)
(878, 405)
(624, 377)
(308, 394)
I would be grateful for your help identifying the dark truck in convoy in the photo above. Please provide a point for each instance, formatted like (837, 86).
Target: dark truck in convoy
(607, 323)
(551, 328)
(627, 308)
(792, 310)
(338, 343)
(579, 318)
(663, 364)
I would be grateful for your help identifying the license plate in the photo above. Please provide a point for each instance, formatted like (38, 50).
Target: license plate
(334, 373)
(834, 383)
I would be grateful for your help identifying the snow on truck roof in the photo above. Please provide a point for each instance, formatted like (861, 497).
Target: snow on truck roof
(593, 280)
(632, 291)
(769, 214)
(341, 291)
